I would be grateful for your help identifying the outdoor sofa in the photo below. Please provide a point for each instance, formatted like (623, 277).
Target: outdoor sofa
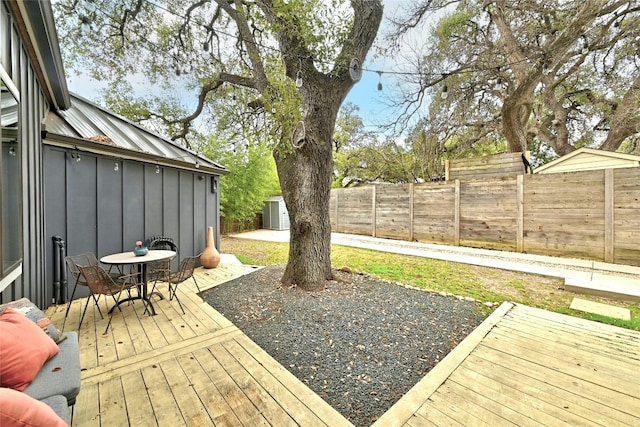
(39, 367)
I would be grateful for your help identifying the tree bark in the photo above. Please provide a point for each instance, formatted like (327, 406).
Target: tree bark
(305, 178)
(305, 167)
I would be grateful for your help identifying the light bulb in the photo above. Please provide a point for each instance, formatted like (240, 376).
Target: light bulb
(85, 23)
(379, 85)
(445, 92)
(298, 79)
(585, 45)
(12, 151)
(116, 166)
(157, 169)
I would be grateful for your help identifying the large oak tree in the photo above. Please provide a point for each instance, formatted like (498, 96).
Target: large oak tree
(553, 73)
(296, 59)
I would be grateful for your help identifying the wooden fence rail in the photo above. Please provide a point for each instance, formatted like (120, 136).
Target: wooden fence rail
(591, 215)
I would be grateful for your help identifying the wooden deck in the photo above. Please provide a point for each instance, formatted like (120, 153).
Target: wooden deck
(522, 366)
(196, 369)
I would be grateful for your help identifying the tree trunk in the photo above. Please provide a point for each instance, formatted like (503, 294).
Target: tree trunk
(305, 163)
(305, 178)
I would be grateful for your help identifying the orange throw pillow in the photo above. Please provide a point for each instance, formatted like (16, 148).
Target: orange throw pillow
(24, 348)
(19, 410)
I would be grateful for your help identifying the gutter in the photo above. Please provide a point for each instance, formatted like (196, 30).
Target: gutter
(84, 145)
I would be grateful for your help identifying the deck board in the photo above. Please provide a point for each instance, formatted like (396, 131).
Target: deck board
(194, 369)
(521, 366)
(526, 366)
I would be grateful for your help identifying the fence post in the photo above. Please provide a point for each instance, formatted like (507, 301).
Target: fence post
(520, 213)
(337, 210)
(456, 221)
(608, 216)
(411, 212)
(373, 211)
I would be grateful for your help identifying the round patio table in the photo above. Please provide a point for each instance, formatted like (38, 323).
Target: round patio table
(129, 258)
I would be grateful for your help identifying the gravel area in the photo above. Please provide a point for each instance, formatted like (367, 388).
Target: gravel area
(360, 344)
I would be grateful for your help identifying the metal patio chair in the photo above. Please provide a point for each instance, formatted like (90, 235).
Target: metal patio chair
(73, 261)
(160, 270)
(184, 273)
(100, 282)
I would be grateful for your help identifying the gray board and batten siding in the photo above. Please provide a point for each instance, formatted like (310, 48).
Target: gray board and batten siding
(88, 203)
(102, 196)
(36, 86)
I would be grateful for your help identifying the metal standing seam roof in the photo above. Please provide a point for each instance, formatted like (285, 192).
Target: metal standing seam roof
(85, 121)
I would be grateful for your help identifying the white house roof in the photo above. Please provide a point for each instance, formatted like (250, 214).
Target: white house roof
(589, 159)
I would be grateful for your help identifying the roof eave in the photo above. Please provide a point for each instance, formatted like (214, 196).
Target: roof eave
(37, 26)
(124, 153)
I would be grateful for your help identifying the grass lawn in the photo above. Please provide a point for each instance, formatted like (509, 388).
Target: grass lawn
(481, 283)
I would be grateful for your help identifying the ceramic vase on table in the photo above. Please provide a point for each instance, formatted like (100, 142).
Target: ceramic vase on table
(140, 251)
(210, 257)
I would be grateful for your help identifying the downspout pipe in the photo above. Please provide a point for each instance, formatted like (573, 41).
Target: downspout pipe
(58, 270)
(64, 291)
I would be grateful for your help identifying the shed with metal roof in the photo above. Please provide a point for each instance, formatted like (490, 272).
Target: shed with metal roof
(110, 182)
(86, 126)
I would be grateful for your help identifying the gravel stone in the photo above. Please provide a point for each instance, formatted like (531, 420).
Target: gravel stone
(360, 344)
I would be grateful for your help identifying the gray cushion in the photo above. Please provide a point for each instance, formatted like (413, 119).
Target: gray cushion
(29, 309)
(59, 405)
(60, 374)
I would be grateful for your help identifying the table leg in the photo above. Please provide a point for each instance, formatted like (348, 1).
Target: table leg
(145, 293)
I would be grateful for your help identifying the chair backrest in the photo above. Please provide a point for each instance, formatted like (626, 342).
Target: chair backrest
(185, 270)
(97, 279)
(74, 261)
(159, 243)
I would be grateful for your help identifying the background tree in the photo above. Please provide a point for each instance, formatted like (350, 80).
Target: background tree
(252, 171)
(540, 74)
(294, 57)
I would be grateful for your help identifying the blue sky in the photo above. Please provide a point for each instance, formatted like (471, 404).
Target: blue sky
(365, 94)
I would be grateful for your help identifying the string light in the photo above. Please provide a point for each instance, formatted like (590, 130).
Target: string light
(585, 45)
(157, 169)
(299, 74)
(299, 80)
(116, 166)
(445, 89)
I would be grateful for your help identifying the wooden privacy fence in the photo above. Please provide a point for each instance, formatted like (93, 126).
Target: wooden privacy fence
(590, 215)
